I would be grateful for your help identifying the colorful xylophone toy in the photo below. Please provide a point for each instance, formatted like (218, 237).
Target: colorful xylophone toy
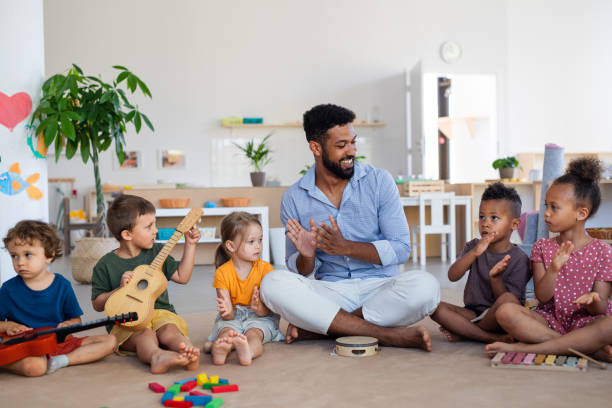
(521, 360)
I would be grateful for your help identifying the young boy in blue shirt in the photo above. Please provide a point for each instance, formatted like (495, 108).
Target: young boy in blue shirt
(37, 298)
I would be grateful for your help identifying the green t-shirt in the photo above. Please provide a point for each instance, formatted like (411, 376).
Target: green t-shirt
(109, 269)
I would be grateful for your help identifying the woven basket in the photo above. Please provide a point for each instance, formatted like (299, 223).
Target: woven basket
(174, 202)
(414, 188)
(235, 201)
(600, 233)
(87, 252)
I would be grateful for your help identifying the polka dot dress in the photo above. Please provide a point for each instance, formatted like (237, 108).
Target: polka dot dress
(576, 278)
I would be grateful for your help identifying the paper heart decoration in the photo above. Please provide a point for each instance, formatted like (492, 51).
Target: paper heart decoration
(14, 109)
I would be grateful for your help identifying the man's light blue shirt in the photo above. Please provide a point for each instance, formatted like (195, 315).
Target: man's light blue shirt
(370, 211)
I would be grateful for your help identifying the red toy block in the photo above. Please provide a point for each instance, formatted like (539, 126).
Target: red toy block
(199, 393)
(178, 404)
(225, 388)
(157, 387)
(188, 386)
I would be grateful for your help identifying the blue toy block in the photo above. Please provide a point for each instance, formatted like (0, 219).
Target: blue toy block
(185, 380)
(223, 381)
(167, 396)
(199, 400)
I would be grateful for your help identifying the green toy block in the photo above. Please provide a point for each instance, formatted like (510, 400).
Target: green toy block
(208, 386)
(175, 389)
(215, 403)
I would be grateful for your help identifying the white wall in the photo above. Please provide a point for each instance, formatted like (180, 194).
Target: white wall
(559, 63)
(207, 59)
(21, 70)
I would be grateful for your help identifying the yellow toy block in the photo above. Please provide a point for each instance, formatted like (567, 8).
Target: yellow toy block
(214, 379)
(178, 399)
(550, 359)
(201, 379)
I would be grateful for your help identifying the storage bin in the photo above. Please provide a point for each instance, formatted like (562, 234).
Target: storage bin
(164, 234)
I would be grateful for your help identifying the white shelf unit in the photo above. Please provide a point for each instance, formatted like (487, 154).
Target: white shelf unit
(262, 212)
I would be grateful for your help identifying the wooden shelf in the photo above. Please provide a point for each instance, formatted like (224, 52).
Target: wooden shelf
(296, 125)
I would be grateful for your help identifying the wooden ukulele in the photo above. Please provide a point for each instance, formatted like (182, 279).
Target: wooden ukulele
(43, 341)
(148, 281)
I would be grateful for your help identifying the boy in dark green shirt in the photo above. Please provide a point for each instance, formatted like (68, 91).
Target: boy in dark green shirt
(131, 220)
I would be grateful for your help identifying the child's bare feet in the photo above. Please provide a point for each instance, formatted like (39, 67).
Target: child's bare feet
(243, 350)
(192, 354)
(220, 350)
(162, 360)
(450, 336)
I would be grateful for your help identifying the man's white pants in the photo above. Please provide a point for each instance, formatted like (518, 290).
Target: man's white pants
(389, 302)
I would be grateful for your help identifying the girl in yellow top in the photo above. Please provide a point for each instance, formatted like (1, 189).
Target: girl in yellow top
(243, 323)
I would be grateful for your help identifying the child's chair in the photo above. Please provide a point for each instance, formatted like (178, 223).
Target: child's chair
(436, 201)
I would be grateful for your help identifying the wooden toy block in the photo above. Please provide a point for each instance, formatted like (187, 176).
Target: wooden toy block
(186, 380)
(225, 388)
(175, 389)
(167, 396)
(178, 404)
(209, 385)
(223, 381)
(157, 387)
(215, 403)
(214, 379)
(571, 361)
(188, 386)
(508, 357)
(201, 379)
(199, 400)
(560, 360)
(198, 393)
(178, 398)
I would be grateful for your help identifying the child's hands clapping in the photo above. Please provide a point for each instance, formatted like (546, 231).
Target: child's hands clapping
(193, 236)
(224, 305)
(588, 298)
(16, 328)
(499, 267)
(562, 255)
(483, 243)
(126, 278)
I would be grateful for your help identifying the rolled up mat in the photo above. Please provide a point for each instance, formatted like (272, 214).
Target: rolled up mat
(553, 168)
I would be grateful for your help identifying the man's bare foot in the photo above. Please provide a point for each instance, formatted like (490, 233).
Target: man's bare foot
(410, 336)
(450, 336)
(162, 360)
(295, 333)
(243, 350)
(192, 354)
(220, 350)
(499, 346)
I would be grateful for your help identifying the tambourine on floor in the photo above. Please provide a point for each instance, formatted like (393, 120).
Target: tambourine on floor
(356, 346)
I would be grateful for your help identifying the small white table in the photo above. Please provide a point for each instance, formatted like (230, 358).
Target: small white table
(466, 201)
(262, 212)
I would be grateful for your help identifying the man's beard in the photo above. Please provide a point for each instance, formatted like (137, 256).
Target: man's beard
(336, 168)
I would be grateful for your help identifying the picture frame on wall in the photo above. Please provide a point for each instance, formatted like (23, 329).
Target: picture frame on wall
(172, 159)
(131, 160)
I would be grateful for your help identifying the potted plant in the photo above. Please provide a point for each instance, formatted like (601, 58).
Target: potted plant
(82, 113)
(506, 167)
(259, 156)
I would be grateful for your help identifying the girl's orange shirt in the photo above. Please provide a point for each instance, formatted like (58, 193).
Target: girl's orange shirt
(241, 290)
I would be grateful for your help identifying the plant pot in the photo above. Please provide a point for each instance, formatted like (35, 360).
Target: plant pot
(87, 252)
(506, 172)
(258, 178)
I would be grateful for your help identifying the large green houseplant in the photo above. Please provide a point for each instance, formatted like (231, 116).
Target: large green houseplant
(79, 112)
(259, 157)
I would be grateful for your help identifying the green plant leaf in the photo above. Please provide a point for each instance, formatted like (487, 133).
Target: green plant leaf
(67, 127)
(137, 122)
(85, 153)
(131, 82)
(71, 148)
(51, 131)
(78, 69)
(122, 76)
(143, 87)
(148, 122)
(121, 67)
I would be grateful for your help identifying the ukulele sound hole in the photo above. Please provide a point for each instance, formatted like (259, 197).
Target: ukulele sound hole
(142, 285)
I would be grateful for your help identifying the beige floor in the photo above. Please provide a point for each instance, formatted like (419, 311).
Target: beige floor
(305, 374)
